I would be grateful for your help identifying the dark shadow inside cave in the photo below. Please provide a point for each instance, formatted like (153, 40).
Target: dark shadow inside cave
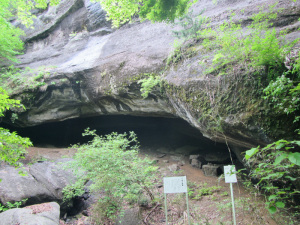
(152, 132)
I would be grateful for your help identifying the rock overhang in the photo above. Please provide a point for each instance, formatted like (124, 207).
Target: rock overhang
(100, 67)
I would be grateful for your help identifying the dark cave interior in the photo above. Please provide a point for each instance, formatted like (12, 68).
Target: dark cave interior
(152, 132)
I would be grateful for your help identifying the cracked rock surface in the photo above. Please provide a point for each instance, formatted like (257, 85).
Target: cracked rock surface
(43, 182)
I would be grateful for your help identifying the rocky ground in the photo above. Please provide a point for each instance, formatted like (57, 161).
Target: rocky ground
(210, 208)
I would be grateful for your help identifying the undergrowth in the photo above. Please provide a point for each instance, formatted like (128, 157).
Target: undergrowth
(112, 163)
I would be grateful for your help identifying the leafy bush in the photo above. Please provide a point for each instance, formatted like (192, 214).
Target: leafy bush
(276, 170)
(121, 11)
(10, 42)
(256, 45)
(113, 164)
(6, 103)
(12, 146)
(284, 95)
(148, 83)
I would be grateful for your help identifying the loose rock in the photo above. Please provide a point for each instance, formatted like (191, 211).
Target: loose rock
(44, 214)
(210, 170)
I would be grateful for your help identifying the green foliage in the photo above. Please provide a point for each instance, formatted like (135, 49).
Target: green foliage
(205, 191)
(120, 12)
(284, 92)
(190, 26)
(148, 83)
(276, 168)
(247, 208)
(12, 146)
(176, 54)
(181, 51)
(9, 205)
(10, 42)
(14, 79)
(225, 193)
(196, 192)
(6, 103)
(284, 95)
(73, 190)
(113, 164)
(103, 211)
(256, 46)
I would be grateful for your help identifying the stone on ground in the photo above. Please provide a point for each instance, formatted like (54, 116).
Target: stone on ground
(210, 170)
(42, 214)
(131, 217)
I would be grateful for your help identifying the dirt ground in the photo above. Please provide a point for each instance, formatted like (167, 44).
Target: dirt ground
(212, 209)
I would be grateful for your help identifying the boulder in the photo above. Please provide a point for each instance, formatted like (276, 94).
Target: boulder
(194, 157)
(174, 167)
(43, 183)
(211, 170)
(45, 214)
(52, 176)
(130, 217)
(176, 158)
(196, 163)
(15, 187)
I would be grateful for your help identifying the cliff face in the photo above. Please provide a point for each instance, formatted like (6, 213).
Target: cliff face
(91, 69)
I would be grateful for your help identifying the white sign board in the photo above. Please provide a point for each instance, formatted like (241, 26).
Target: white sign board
(175, 185)
(230, 176)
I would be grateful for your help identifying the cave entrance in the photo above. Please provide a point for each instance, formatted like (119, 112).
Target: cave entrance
(173, 135)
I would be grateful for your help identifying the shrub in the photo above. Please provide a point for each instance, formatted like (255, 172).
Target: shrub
(148, 83)
(112, 163)
(12, 146)
(256, 45)
(276, 170)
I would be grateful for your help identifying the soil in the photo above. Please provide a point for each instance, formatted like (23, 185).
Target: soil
(208, 209)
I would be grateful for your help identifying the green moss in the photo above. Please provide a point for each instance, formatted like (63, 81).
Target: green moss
(240, 100)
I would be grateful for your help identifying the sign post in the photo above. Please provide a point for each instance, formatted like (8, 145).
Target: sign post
(230, 177)
(176, 185)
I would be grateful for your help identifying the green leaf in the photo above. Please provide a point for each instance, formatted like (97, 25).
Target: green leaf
(272, 197)
(280, 158)
(280, 205)
(251, 152)
(296, 142)
(294, 158)
(272, 209)
(279, 146)
(291, 178)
